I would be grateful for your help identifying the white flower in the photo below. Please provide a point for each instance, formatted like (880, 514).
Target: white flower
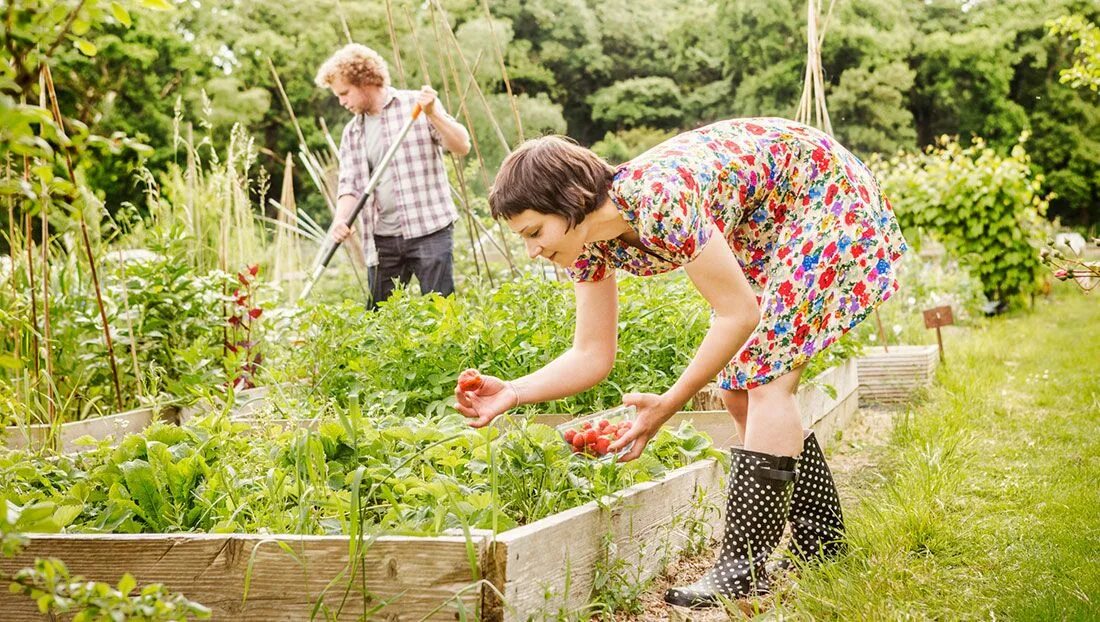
(897, 329)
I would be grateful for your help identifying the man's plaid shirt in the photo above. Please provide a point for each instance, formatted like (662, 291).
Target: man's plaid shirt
(420, 187)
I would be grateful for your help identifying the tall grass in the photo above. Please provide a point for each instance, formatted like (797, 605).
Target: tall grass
(985, 506)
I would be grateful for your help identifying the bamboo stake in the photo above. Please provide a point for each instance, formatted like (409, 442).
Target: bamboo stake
(28, 240)
(504, 71)
(454, 160)
(87, 243)
(393, 43)
(466, 65)
(344, 21)
(51, 397)
(130, 327)
(507, 252)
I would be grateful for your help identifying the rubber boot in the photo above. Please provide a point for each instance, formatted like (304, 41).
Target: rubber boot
(817, 523)
(756, 513)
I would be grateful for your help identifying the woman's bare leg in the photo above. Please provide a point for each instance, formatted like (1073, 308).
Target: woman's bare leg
(737, 404)
(774, 424)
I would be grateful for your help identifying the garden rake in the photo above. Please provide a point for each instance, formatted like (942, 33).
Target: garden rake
(330, 246)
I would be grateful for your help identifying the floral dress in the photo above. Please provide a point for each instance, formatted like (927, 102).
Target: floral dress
(805, 218)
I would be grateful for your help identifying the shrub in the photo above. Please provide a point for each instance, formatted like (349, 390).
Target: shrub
(986, 208)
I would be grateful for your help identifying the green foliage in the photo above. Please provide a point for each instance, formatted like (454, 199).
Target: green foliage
(652, 102)
(166, 322)
(49, 583)
(1085, 71)
(357, 471)
(417, 345)
(986, 208)
(868, 109)
(618, 147)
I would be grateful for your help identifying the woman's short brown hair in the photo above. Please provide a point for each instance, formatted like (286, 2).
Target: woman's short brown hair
(551, 175)
(357, 64)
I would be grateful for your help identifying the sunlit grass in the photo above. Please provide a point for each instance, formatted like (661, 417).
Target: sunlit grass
(986, 506)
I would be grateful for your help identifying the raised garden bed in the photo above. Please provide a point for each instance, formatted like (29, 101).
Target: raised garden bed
(549, 566)
(891, 377)
(116, 426)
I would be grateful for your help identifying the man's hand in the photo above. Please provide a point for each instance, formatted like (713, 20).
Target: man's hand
(427, 99)
(339, 232)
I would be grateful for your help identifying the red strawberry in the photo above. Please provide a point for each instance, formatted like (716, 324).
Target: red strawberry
(569, 434)
(578, 442)
(603, 424)
(470, 380)
(587, 425)
(590, 437)
(602, 444)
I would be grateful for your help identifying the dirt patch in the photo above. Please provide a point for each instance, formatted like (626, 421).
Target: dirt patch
(853, 460)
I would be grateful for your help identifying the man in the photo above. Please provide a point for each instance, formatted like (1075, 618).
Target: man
(408, 225)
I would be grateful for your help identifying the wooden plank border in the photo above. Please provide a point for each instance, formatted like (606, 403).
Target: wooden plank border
(38, 435)
(549, 567)
(891, 377)
(419, 578)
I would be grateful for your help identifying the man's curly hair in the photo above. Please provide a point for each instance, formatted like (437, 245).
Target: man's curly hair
(357, 64)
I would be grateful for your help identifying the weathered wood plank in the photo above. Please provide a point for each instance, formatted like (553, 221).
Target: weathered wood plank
(550, 566)
(891, 377)
(112, 426)
(416, 575)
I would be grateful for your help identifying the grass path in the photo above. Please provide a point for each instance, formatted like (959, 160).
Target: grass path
(979, 502)
(986, 504)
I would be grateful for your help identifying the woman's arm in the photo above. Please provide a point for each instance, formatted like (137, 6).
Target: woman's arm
(581, 367)
(592, 355)
(719, 278)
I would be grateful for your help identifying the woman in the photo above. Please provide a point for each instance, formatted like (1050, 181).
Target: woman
(741, 205)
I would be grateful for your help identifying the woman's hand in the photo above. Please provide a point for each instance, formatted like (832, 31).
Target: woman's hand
(482, 398)
(653, 411)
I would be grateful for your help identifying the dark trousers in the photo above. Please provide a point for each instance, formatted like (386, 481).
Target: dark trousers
(428, 258)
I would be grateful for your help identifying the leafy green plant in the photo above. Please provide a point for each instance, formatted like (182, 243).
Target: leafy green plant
(986, 208)
(56, 592)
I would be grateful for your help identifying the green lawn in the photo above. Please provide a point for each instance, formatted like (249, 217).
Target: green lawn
(988, 501)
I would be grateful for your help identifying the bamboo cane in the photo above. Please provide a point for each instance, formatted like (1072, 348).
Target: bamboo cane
(504, 71)
(506, 251)
(426, 75)
(87, 242)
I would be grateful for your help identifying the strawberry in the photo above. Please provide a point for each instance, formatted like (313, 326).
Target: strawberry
(602, 444)
(470, 380)
(569, 435)
(578, 442)
(603, 424)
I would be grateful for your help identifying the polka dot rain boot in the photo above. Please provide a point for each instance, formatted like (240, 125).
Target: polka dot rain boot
(756, 513)
(817, 524)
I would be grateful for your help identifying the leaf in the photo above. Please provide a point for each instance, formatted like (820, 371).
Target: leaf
(142, 484)
(159, 5)
(121, 14)
(86, 47)
(127, 584)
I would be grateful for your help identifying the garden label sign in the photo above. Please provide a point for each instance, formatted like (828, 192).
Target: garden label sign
(937, 317)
